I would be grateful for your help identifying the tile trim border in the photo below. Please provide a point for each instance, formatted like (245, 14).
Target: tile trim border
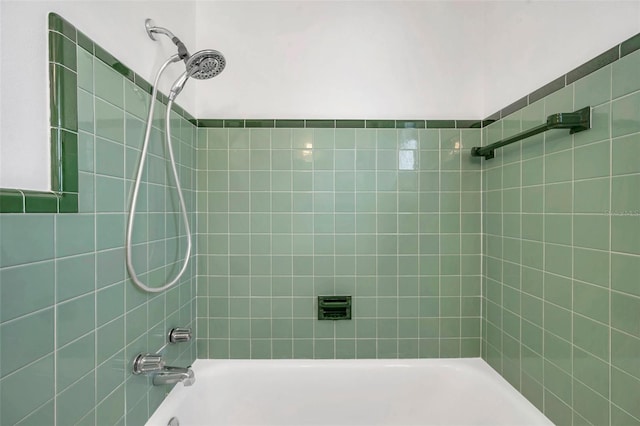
(276, 123)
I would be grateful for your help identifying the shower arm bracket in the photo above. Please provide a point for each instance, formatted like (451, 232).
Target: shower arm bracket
(152, 30)
(576, 121)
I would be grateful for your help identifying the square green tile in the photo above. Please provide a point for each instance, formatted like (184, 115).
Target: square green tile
(591, 336)
(111, 409)
(114, 63)
(26, 238)
(624, 115)
(624, 72)
(558, 382)
(557, 198)
(557, 321)
(624, 313)
(85, 111)
(624, 350)
(624, 199)
(31, 284)
(589, 404)
(592, 196)
(27, 390)
(591, 266)
(76, 401)
(39, 326)
(558, 259)
(620, 417)
(85, 70)
(109, 121)
(558, 228)
(624, 151)
(75, 318)
(591, 301)
(75, 276)
(625, 234)
(556, 410)
(623, 389)
(594, 89)
(624, 271)
(592, 161)
(591, 231)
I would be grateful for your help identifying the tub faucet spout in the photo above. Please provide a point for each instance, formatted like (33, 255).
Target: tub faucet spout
(172, 375)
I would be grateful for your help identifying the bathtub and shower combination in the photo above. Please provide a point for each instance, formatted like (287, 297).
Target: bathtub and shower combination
(312, 392)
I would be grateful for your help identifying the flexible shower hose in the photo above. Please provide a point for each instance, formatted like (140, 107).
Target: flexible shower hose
(136, 188)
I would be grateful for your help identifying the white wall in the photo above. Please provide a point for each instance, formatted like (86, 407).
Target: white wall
(397, 59)
(343, 59)
(531, 43)
(118, 26)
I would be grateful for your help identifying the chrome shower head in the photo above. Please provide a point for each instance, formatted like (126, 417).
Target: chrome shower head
(205, 64)
(201, 65)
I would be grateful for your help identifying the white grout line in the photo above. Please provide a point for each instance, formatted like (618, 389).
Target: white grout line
(610, 244)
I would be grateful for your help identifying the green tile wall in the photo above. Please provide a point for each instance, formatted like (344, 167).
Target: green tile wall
(388, 216)
(71, 321)
(561, 277)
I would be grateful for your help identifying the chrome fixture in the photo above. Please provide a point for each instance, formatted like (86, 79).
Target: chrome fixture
(172, 375)
(202, 65)
(153, 364)
(178, 335)
(148, 363)
(152, 30)
(205, 64)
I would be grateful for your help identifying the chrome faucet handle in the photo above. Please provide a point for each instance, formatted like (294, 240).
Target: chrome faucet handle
(148, 363)
(179, 334)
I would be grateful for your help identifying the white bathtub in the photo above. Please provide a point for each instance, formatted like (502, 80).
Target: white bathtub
(346, 392)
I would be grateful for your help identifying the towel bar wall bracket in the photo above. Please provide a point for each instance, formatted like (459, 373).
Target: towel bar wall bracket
(576, 121)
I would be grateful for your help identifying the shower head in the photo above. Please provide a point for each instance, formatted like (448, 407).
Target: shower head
(201, 65)
(205, 64)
